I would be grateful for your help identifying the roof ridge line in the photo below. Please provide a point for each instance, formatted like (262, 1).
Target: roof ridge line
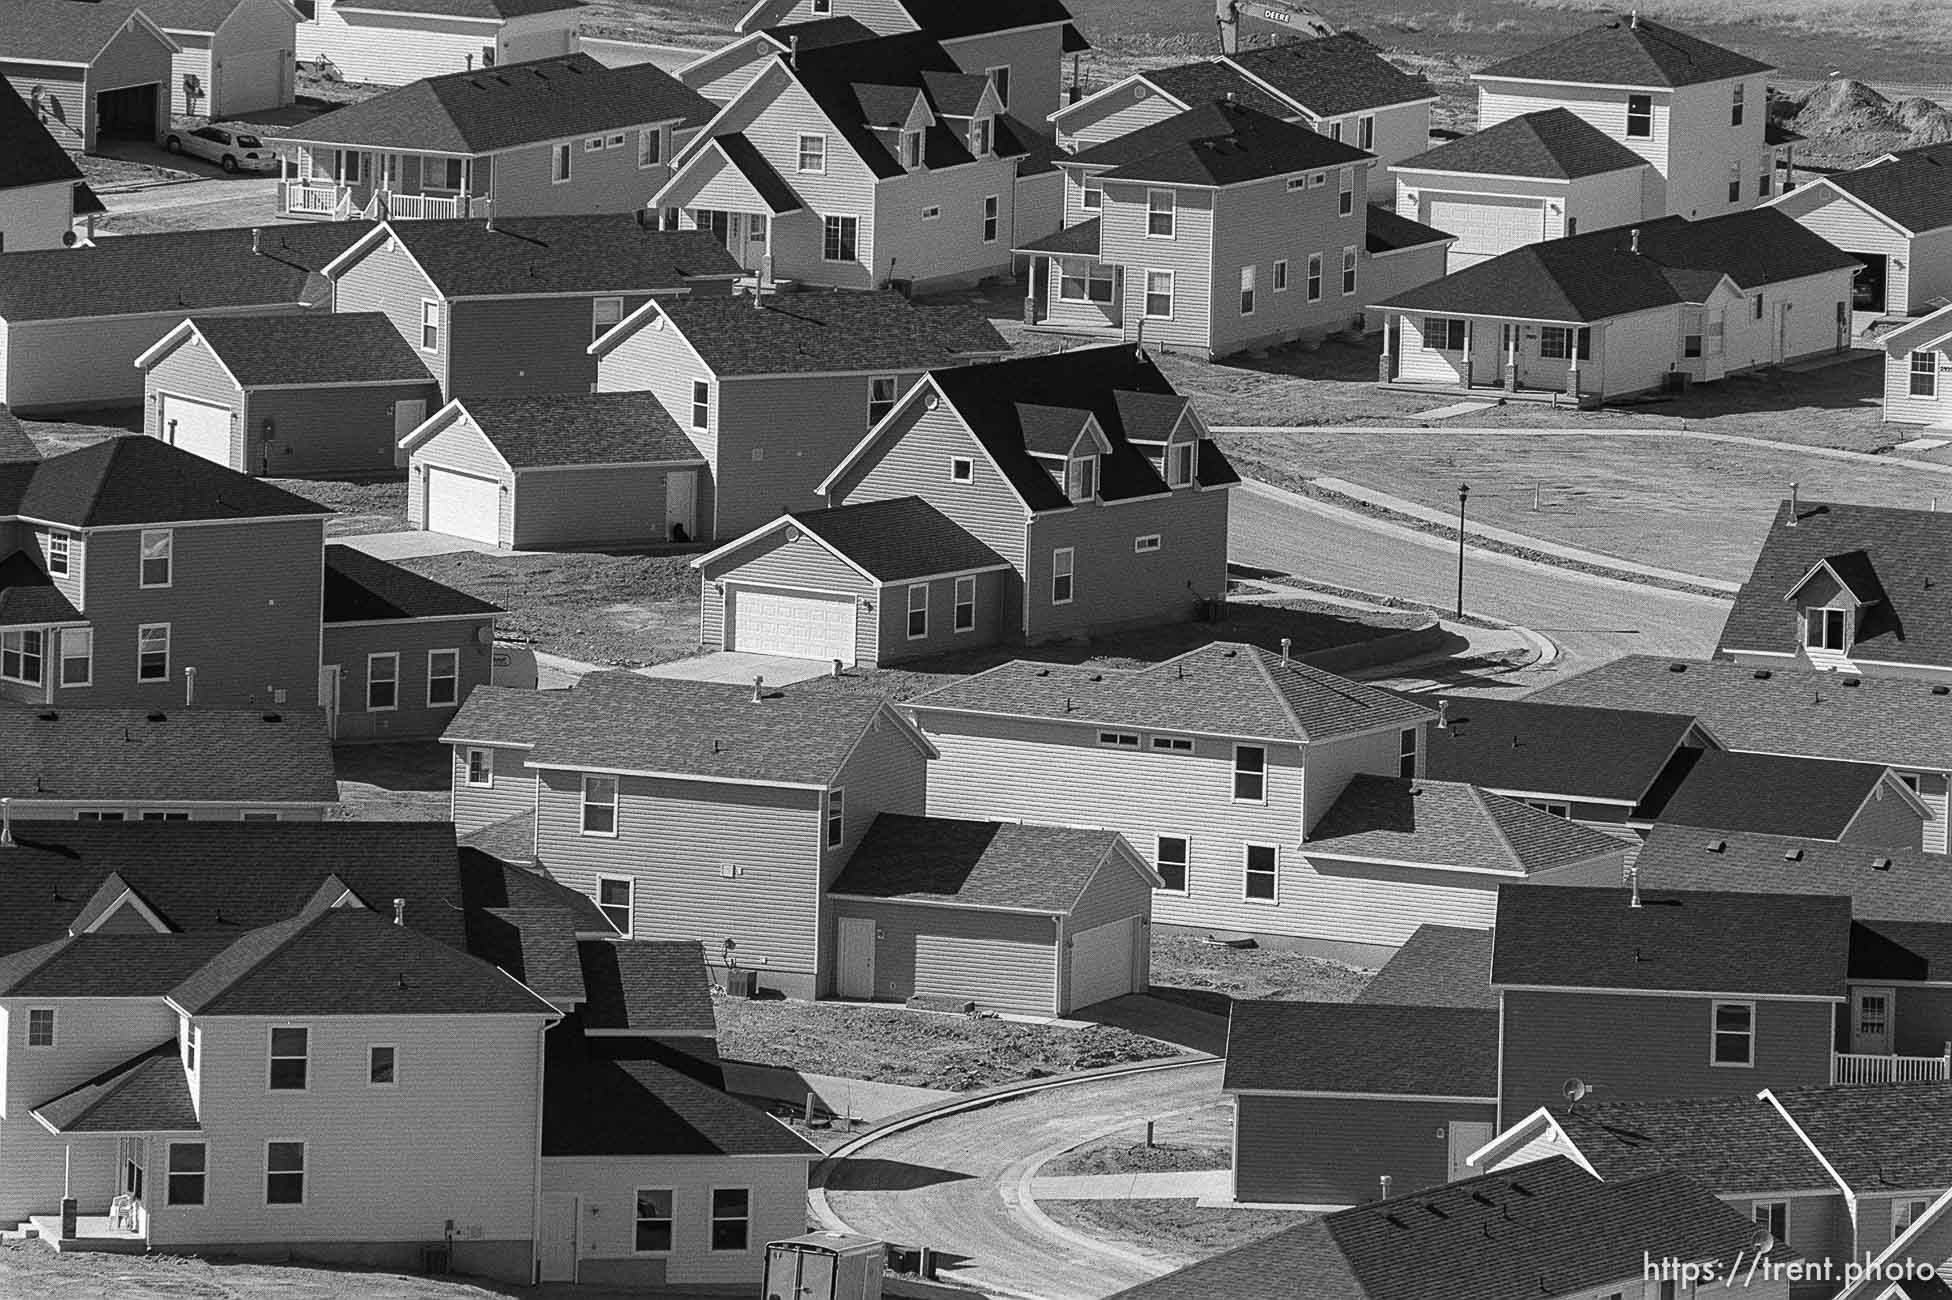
(128, 1067)
(1267, 675)
(1484, 797)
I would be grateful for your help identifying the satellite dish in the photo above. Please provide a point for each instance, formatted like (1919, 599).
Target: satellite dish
(1576, 1089)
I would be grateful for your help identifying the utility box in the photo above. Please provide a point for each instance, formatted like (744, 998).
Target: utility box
(825, 1266)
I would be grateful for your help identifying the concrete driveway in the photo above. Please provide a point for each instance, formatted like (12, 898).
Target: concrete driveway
(738, 666)
(412, 543)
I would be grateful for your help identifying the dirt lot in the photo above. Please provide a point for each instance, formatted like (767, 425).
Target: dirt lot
(1121, 1155)
(1184, 961)
(1180, 1231)
(396, 781)
(31, 1271)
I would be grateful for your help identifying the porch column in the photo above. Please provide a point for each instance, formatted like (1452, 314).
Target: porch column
(1511, 357)
(1468, 323)
(1383, 375)
(1572, 367)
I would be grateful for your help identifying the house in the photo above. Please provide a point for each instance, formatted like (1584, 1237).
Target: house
(1549, 1230)
(73, 321)
(235, 56)
(1437, 966)
(1884, 883)
(16, 447)
(111, 765)
(287, 396)
(553, 137)
(773, 390)
(509, 307)
(1613, 769)
(1339, 86)
(386, 43)
(1809, 798)
(1538, 176)
(1695, 111)
(399, 653)
(88, 74)
(1273, 797)
(556, 471)
(1404, 1097)
(855, 163)
(1918, 370)
(1614, 312)
(41, 189)
(1895, 218)
(1212, 231)
(1893, 722)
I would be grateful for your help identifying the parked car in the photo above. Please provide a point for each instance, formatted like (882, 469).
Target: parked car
(231, 150)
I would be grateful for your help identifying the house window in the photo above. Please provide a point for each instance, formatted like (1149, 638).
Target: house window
(443, 678)
(77, 656)
(165, 815)
(979, 137)
(1406, 754)
(965, 604)
(911, 149)
(701, 404)
(57, 555)
(1736, 105)
(1335, 130)
(290, 1058)
(1755, 307)
(1160, 208)
(1083, 478)
(158, 555)
(1348, 271)
(382, 1065)
(839, 243)
(961, 469)
(593, 144)
(1314, 277)
(600, 805)
(23, 655)
(1924, 374)
(1247, 291)
(284, 1173)
(1443, 333)
(481, 767)
(1905, 1211)
(152, 652)
(1084, 281)
(1297, 183)
(1558, 342)
(1345, 199)
(881, 399)
(1145, 544)
(1173, 744)
(559, 174)
(1281, 276)
(1062, 561)
(821, 8)
(1823, 629)
(430, 326)
(1773, 1215)
(1000, 78)
(188, 1171)
(100, 815)
(813, 153)
(259, 817)
(1159, 295)
(1169, 856)
(1179, 464)
(1551, 806)
(1317, 180)
(1366, 132)
(1765, 177)
(1260, 883)
(615, 899)
(990, 210)
(650, 146)
(1735, 182)
(604, 314)
(1119, 739)
(1092, 197)
(1250, 774)
(731, 1218)
(653, 1234)
(932, 212)
(918, 611)
(1640, 117)
(382, 682)
(1734, 1034)
(40, 1027)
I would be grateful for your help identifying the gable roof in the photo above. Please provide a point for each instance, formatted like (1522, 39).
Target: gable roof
(841, 330)
(1000, 866)
(1524, 747)
(492, 9)
(764, 178)
(1778, 794)
(891, 541)
(310, 348)
(134, 479)
(1386, 232)
(28, 595)
(1914, 191)
(945, 20)
(360, 588)
(1883, 883)
(28, 154)
(202, 17)
(607, 253)
(15, 445)
(1378, 1049)
(487, 110)
(1223, 689)
(1216, 144)
(148, 1093)
(1449, 824)
(1694, 941)
(1882, 1139)
(646, 987)
(1635, 52)
(107, 965)
(551, 429)
(198, 755)
(1597, 275)
(178, 271)
(647, 1105)
(55, 31)
(1552, 144)
(1206, 81)
(1438, 966)
(1729, 1144)
(1895, 556)
(1333, 75)
(530, 925)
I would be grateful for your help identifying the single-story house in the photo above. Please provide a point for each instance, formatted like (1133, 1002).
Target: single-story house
(866, 584)
(73, 321)
(1337, 1103)
(580, 469)
(393, 42)
(89, 71)
(1615, 312)
(1811, 798)
(1918, 371)
(399, 653)
(235, 56)
(287, 396)
(41, 190)
(1896, 219)
(1039, 920)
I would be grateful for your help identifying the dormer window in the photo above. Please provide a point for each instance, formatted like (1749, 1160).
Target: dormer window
(1179, 465)
(820, 8)
(911, 149)
(979, 137)
(1082, 480)
(1826, 629)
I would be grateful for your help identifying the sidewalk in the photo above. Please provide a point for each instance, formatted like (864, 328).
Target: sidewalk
(1182, 1185)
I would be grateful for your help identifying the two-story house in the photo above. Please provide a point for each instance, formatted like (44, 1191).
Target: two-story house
(1340, 86)
(554, 136)
(41, 189)
(1215, 230)
(384, 44)
(507, 307)
(1695, 111)
(773, 390)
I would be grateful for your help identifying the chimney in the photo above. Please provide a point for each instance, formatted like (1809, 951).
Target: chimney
(1287, 644)
(1443, 714)
(257, 242)
(758, 689)
(1633, 887)
(6, 823)
(189, 687)
(399, 911)
(1793, 494)
(1386, 1182)
(1633, 241)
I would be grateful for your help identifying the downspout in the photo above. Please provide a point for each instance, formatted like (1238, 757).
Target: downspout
(535, 1199)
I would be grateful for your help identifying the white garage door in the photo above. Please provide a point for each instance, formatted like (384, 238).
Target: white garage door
(197, 428)
(249, 81)
(1101, 962)
(462, 505)
(1486, 226)
(808, 627)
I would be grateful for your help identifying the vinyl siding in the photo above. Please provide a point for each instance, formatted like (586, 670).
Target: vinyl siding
(252, 29)
(394, 49)
(1114, 893)
(328, 431)
(1819, 1228)
(460, 446)
(72, 128)
(1112, 585)
(1332, 764)
(1336, 1151)
(511, 795)
(1382, 278)
(1402, 131)
(1035, 57)
(1119, 113)
(609, 506)
(1900, 407)
(35, 216)
(1257, 225)
(1930, 269)
(887, 773)
(1602, 108)
(776, 564)
(90, 361)
(1001, 961)
(993, 620)
(388, 280)
(65, 810)
(600, 180)
(1039, 206)
(1886, 820)
(411, 640)
(512, 347)
(725, 78)
(1856, 229)
(192, 371)
(135, 57)
(194, 60)
(32, 538)
(1592, 203)
(658, 361)
(1922, 1019)
(949, 249)
(1188, 255)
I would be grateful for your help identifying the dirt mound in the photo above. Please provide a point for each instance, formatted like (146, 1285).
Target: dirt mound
(1843, 105)
(1928, 123)
(1848, 123)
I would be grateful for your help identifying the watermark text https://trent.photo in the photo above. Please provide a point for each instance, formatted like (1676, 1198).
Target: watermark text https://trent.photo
(1757, 1266)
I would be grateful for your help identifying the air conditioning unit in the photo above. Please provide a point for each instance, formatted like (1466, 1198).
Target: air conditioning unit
(741, 983)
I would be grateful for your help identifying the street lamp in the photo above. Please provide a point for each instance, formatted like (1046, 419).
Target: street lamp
(1463, 492)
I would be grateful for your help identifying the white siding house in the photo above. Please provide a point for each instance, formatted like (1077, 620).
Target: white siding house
(1894, 217)
(1918, 371)
(393, 42)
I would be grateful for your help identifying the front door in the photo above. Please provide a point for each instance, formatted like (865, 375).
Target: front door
(1782, 331)
(856, 976)
(329, 697)
(129, 1182)
(557, 1249)
(1870, 1021)
(681, 505)
(1466, 1136)
(407, 416)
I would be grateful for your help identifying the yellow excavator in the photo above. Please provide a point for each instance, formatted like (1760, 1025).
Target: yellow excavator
(1228, 15)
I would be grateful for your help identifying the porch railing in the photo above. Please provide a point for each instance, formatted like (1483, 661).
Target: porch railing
(339, 202)
(301, 198)
(1865, 1067)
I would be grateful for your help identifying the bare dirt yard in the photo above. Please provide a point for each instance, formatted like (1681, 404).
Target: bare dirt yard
(394, 781)
(1182, 1232)
(1186, 961)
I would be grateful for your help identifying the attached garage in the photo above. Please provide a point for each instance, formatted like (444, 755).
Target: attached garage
(196, 427)
(1034, 920)
(1485, 225)
(462, 505)
(784, 623)
(250, 80)
(89, 71)
(130, 112)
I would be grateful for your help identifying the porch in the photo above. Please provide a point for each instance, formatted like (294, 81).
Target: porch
(1070, 290)
(1870, 1067)
(95, 1234)
(328, 201)
(342, 184)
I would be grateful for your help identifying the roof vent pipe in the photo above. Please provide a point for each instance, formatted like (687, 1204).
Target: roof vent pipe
(1633, 241)
(1794, 496)
(1287, 644)
(1443, 714)
(758, 689)
(189, 687)
(257, 242)
(793, 53)
(1386, 1181)
(399, 911)
(6, 823)
(1633, 887)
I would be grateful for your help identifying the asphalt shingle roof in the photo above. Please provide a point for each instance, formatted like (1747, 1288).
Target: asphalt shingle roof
(646, 987)
(138, 480)
(15, 445)
(1216, 144)
(1334, 75)
(609, 253)
(760, 174)
(1880, 1138)
(312, 348)
(1369, 1048)
(1695, 941)
(580, 429)
(976, 864)
(104, 965)
(1387, 233)
(1910, 951)
(186, 271)
(1552, 144)
(490, 109)
(1439, 966)
(876, 331)
(536, 945)
(899, 538)
(1211, 81)
(1774, 794)
(1448, 823)
(1629, 53)
(1915, 192)
(360, 588)
(28, 154)
(1579, 753)
(1081, 240)
(1222, 689)
(1891, 884)
(1731, 1144)
(148, 1093)
(56, 31)
(28, 595)
(648, 1106)
(202, 755)
(502, 9)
